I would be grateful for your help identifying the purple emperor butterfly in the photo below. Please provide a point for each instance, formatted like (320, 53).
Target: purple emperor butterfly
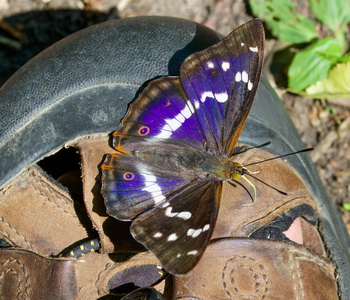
(177, 145)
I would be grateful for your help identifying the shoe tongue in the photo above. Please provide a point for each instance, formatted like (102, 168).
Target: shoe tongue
(275, 229)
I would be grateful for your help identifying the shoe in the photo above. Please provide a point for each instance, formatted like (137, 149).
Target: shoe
(59, 243)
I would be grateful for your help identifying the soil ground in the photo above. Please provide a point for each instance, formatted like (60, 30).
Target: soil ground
(29, 26)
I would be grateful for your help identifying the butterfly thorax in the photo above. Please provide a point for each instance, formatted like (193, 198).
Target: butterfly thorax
(189, 162)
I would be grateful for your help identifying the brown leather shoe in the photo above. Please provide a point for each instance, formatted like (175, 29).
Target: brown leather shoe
(56, 240)
(234, 266)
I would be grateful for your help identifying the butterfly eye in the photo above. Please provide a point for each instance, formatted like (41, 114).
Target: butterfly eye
(144, 130)
(128, 176)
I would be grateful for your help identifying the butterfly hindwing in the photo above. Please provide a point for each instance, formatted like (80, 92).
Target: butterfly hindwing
(130, 187)
(178, 231)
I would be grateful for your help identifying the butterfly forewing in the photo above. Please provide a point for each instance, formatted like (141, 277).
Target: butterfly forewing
(161, 112)
(178, 231)
(221, 83)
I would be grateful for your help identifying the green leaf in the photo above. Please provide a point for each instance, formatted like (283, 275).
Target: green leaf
(282, 18)
(335, 14)
(313, 63)
(337, 85)
(346, 206)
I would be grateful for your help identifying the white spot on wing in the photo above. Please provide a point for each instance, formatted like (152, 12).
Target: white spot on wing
(190, 106)
(210, 65)
(157, 235)
(196, 104)
(221, 97)
(225, 66)
(253, 49)
(173, 123)
(151, 186)
(242, 44)
(172, 237)
(185, 215)
(188, 111)
(196, 233)
(193, 252)
(206, 95)
(238, 77)
(250, 85)
(190, 231)
(176, 122)
(245, 76)
(180, 118)
(164, 134)
(168, 212)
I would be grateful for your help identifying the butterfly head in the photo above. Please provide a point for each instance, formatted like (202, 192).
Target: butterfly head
(237, 171)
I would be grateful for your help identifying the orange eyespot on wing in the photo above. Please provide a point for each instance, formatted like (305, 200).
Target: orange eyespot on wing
(144, 130)
(128, 176)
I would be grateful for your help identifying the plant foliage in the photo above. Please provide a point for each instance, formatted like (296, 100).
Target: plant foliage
(321, 69)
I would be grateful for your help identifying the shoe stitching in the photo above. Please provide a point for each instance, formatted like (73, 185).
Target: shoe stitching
(23, 292)
(255, 275)
(292, 263)
(50, 191)
(17, 233)
(294, 257)
(308, 257)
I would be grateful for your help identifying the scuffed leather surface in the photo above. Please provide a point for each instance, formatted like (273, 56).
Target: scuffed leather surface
(81, 86)
(37, 214)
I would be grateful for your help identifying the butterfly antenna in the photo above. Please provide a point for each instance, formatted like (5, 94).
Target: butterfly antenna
(243, 149)
(280, 156)
(263, 182)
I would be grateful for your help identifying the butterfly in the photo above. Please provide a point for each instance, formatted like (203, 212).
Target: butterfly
(176, 145)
